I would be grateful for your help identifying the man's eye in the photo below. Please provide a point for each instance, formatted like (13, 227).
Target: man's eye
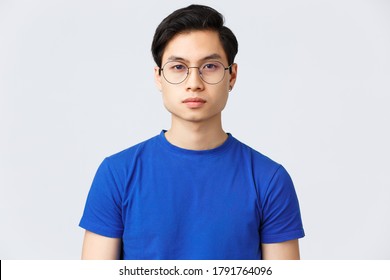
(178, 67)
(210, 66)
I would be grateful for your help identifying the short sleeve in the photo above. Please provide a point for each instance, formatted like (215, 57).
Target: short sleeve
(281, 217)
(102, 213)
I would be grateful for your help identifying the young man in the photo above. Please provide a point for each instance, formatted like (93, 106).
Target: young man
(193, 191)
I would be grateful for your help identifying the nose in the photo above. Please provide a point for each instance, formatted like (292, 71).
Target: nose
(194, 80)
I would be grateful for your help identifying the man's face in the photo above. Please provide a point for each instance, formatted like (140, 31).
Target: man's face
(194, 100)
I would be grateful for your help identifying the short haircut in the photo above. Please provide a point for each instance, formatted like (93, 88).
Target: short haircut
(191, 18)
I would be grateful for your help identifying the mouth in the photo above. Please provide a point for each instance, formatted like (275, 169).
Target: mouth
(194, 102)
(195, 99)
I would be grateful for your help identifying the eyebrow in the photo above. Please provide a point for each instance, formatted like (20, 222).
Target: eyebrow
(212, 56)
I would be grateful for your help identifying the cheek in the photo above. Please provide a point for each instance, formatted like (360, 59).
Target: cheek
(168, 96)
(168, 104)
(168, 88)
(225, 85)
(224, 101)
(221, 101)
(165, 98)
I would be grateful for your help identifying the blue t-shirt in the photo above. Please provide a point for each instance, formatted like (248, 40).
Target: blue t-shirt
(166, 202)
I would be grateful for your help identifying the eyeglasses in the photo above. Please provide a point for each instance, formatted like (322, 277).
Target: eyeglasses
(211, 72)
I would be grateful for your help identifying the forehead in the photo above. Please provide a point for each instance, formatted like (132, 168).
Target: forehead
(194, 46)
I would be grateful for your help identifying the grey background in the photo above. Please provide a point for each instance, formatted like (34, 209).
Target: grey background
(76, 85)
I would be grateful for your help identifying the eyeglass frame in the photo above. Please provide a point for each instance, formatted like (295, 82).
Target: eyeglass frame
(161, 69)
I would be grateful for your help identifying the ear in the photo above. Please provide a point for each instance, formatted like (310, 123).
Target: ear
(157, 77)
(233, 75)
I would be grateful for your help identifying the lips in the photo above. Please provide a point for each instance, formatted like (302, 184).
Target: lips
(195, 100)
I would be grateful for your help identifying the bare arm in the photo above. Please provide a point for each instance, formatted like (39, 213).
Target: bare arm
(98, 247)
(288, 250)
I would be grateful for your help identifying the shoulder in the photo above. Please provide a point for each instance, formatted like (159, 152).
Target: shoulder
(129, 154)
(268, 175)
(120, 165)
(260, 163)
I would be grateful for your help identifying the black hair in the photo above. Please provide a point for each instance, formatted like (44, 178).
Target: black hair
(193, 17)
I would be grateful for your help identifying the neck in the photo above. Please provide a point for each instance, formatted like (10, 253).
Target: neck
(196, 135)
